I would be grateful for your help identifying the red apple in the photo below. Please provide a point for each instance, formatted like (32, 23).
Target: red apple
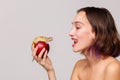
(41, 45)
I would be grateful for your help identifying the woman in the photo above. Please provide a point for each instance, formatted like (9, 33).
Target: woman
(94, 35)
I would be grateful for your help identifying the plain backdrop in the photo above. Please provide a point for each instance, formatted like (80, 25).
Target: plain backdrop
(22, 20)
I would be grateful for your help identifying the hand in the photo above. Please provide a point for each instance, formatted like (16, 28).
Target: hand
(43, 61)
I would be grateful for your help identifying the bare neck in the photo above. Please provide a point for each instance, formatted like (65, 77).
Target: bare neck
(94, 61)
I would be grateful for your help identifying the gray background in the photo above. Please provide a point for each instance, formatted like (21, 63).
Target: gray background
(22, 20)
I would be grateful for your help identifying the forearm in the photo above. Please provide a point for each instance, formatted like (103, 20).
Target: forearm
(51, 75)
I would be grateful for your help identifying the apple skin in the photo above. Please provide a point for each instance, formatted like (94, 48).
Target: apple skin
(41, 45)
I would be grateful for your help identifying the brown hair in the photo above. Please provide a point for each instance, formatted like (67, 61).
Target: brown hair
(107, 41)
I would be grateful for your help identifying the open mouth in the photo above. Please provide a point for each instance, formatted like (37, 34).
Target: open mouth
(75, 41)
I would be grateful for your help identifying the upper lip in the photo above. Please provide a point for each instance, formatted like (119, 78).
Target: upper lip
(74, 39)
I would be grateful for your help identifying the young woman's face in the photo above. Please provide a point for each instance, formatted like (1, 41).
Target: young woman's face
(81, 32)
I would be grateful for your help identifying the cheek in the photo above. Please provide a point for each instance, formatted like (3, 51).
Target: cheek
(85, 38)
(84, 35)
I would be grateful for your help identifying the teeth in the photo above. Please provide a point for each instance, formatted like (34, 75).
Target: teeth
(75, 41)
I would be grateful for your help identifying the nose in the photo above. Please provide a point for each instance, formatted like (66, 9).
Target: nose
(71, 33)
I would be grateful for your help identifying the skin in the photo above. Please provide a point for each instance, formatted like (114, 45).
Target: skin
(44, 62)
(90, 68)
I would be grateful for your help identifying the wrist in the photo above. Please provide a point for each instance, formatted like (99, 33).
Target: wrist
(51, 74)
(50, 70)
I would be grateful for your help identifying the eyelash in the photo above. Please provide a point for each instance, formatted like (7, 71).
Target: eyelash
(77, 27)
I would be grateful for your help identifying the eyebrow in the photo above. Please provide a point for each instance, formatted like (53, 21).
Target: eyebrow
(77, 22)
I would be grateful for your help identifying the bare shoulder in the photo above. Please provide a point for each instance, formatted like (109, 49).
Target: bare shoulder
(80, 64)
(113, 70)
(77, 68)
(114, 65)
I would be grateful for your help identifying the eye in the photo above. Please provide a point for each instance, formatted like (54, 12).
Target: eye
(77, 26)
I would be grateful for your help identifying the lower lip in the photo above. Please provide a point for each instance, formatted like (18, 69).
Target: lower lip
(73, 45)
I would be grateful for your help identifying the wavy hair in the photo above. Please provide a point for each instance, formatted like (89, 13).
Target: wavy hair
(107, 40)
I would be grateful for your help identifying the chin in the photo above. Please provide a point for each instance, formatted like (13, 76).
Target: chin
(82, 50)
(76, 50)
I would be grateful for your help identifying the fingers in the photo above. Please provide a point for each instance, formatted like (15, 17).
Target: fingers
(42, 55)
(45, 56)
(42, 58)
(34, 50)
